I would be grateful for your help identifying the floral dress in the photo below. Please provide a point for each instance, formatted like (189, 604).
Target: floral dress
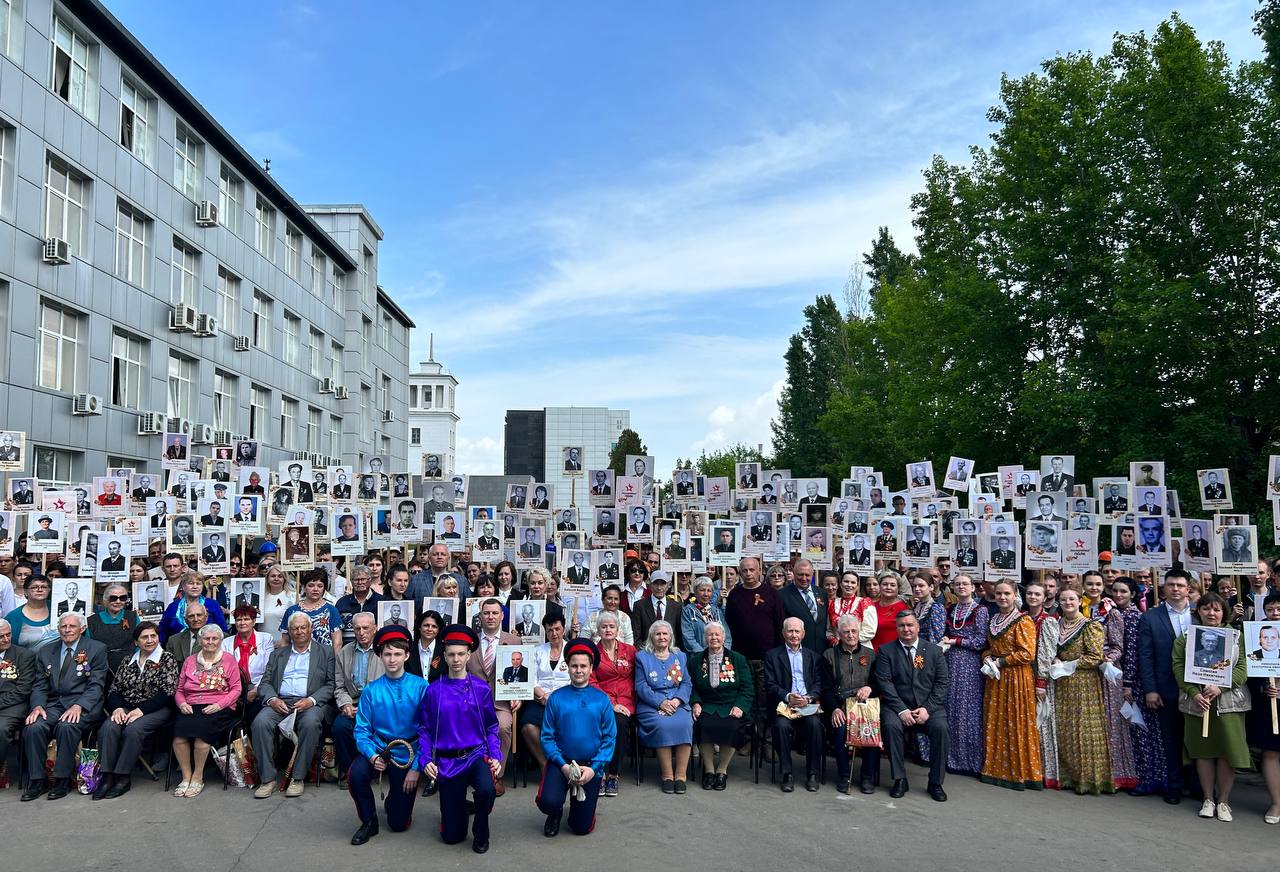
(1012, 750)
(1084, 757)
(967, 627)
(1124, 772)
(1046, 710)
(1148, 741)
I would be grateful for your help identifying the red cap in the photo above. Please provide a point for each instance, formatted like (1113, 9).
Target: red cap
(1104, 557)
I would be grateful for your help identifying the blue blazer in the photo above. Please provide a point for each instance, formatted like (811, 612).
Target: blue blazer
(1155, 654)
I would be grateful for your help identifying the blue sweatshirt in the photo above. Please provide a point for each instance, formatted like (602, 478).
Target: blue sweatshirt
(579, 726)
(388, 710)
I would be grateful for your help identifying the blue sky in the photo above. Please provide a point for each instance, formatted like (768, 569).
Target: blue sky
(621, 204)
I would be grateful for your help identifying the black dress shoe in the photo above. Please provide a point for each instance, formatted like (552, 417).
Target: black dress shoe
(104, 787)
(936, 793)
(867, 786)
(681, 785)
(58, 790)
(722, 780)
(899, 789)
(480, 846)
(708, 780)
(552, 826)
(367, 831)
(1171, 796)
(34, 790)
(788, 783)
(843, 785)
(811, 784)
(122, 785)
(668, 785)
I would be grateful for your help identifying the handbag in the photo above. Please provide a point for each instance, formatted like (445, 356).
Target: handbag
(862, 721)
(242, 750)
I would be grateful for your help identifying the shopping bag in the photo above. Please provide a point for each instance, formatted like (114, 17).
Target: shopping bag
(862, 720)
(242, 750)
(87, 770)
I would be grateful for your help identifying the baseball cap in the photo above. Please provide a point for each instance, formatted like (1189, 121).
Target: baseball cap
(268, 548)
(659, 576)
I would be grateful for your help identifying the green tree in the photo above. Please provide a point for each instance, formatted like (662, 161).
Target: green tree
(720, 463)
(628, 443)
(815, 358)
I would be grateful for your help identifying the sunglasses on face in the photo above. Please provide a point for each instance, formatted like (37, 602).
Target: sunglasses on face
(117, 599)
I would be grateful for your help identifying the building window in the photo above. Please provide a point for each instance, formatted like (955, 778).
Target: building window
(288, 422)
(335, 437)
(230, 199)
(386, 392)
(261, 322)
(319, 271)
(315, 351)
(6, 166)
(413, 396)
(426, 396)
(7, 20)
(339, 285)
(313, 430)
(4, 329)
(54, 466)
(59, 348)
(224, 401)
(415, 435)
(131, 244)
(450, 399)
(184, 272)
(66, 197)
(186, 163)
(366, 339)
(335, 362)
(264, 229)
(127, 354)
(366, 273)
(366, 425)
(384, 337)
(72, 74)
(293, 252)
(259, 400)
(181, 376)
(137, 110)
(292, 346)
(228, 301)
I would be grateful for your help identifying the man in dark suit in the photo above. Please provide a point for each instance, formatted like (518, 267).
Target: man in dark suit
(577, 573)
(22, 493)
(1002, 556)
(1159, 628)
(184, 642)
(1057, 479)
(214, 552)
(1115, 500)
(487, 541)
(517, 672)
(566, 521)
(527, 625)
(114, 561)
(214, 517)
(299, 678)
(608, 567)
(177, 449)
(8, 451)
(859, 555)
(913, 680)
(17, 677)
(1197, 545)
(601, 487)
(300, 489)
(793, 675)
(72, 603)
(606, 526)
(1150, 505)
(572, 462)
(801, 600)
(144, 489)
(247, 596)
(66, 704)
(655, 607)
(761, 528)
(529, 548)
(1214, 489)
(684, 484)
(748, 479)
(342, 488)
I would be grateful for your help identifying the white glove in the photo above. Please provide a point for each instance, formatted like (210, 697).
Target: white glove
(991, 669)
(1111, 673)
(579, 792)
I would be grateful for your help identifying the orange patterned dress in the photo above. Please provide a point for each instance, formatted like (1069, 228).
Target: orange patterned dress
(1009, 706)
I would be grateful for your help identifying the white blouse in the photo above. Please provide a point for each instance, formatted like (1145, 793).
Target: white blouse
(258, 660)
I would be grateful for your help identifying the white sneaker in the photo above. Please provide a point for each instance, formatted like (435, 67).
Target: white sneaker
(1224, 812)
(1207, 810)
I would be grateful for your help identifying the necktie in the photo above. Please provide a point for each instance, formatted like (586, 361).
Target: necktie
(488, 655)
(811, 603)
(66, 662)
(657, 610)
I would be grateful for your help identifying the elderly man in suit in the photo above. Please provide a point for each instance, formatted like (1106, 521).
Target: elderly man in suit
(299, 679)
(483, 663)
(794, 675)
(183, 643)
(648, 610)
(913, 680)
(1159, 628)
(17, 678)
(66, 704)
(802, 600)
(356, 666)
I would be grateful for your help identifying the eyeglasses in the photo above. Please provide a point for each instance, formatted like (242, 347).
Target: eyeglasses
(117, 599)
(637, 572)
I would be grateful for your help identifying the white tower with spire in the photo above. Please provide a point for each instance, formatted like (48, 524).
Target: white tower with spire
(433, 421)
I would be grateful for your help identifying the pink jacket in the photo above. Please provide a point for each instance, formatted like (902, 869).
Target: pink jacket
(220, 685)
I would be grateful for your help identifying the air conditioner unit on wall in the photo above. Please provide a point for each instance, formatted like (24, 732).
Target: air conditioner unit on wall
(222, 437)
(340, 392)
(242, 343)
(206, 325)
(388, 416)
(179, 425)
(182, 318)
(151, 423)
(56, 251)
(86, 404)
(207, 214)
(326, 385)
(202, 434)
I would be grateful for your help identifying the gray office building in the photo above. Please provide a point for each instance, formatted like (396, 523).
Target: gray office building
(154, 276)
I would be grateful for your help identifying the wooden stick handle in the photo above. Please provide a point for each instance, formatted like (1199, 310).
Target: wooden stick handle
(1275, 717)
(1204, 725)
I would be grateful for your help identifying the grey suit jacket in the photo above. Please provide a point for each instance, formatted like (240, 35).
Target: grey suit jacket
(345, 692)
(320, 675)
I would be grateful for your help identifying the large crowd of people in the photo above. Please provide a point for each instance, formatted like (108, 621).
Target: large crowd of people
(1050, 680)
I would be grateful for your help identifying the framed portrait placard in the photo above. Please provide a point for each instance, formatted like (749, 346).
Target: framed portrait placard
(13, 450)
(1211, 654)
(1236, 550)
(513, 673)
(1262, 649)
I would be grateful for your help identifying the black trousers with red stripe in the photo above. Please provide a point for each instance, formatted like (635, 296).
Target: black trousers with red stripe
(553, 791)
(453, 802)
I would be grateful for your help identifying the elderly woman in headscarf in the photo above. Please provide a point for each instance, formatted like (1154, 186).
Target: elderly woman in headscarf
(722, 693)
(695, 617)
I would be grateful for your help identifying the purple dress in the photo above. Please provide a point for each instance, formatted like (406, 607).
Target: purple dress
(1148, 742)
(457, 714)
(967, 625)
(1123, 770)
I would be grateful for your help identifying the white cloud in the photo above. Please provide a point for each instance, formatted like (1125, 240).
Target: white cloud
(746, 422)
(481, 456)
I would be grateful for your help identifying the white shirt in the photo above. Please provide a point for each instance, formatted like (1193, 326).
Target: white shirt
(293, 683)
(153, 657)
(796, 656)
(1181, 620)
